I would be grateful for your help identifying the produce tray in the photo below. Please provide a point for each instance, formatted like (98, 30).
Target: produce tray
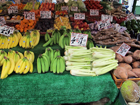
(119, 82)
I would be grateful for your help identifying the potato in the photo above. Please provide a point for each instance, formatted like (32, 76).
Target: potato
(136, 55)
(125, 66)
(131, 73)
(119, 58)
(135, 64)
(136, 71)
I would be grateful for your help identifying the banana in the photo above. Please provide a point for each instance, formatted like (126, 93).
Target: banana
(27, 67)
(20, 55)
(61, 41)
(58, 65)
(23, 43)
(22, 67)
(43, 65)
(54, 66)
(31, 67)
(10, 42)
(48, 42)
(33, 56)
(62, 65)
(47, 37)
(56, 53)
(19, 35)
(38, 37)
(31, 43)
(11, 54)
(12, 66)
(18, 65)
(5, 68)
(47, 62)
(27, 45)
(16, 58)
(39, 65)
(1, 63)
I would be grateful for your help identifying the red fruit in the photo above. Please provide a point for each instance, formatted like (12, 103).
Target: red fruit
(76, 26)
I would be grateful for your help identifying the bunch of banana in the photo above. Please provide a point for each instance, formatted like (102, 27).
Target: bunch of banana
(15, 55)
(8, 42)
(43, 63)
(64, 40)
(50, 53)
(29, 55)
(37, 4)
(56, 53)
(90, 44)
(58, 65)
(23, 66)
(2, 55)
(28, 6)
(35, 34)
(8, 67)
(56, 35)
(19, 35)
(49, 42)
(89, 33)
(47, 36)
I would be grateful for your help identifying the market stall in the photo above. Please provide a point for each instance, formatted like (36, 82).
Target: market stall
(68, 52)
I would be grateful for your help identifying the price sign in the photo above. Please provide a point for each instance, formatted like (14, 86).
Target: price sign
(29, 15)
(123, 49)
(64, 8)
(94, 12)
(74, 8)
(104, 17)
(131, 16)
(2, 21)
(6, 30)
(17, 1)
(13, 9)
(78, 39)
(79, 16)
(45, 14)
(103, 24)
(2, 1)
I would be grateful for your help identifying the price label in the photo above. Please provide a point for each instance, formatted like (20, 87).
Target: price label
(13, 9)
(104, 17)
(79, 16)
(29, 15)
(2, 1)
(64, 8)
(94, 12)
(2, 21)
(78, 39)
(45, 14)
(17, 1)
(6, 30)
(103, 24)
(123, 49)
(74, 8)
(131, 16)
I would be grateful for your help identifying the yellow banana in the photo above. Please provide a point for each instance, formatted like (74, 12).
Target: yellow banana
(21, 55)
(10, 42)
(22, 67)
(5, 68)
(33, 56)
(31, 67)
(12, 66)
(27, 68)
(1, 63)
(18, 65)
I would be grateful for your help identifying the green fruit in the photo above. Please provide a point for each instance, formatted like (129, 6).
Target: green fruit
(130, 91)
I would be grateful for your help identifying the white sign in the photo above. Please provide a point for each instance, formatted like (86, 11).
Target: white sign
(64, 8)
(2, 21)
(74, 8)
(45, 14)
(17, 1)
(94, 12)
(103, 24)
(78, 39)
(29, 15)
(6, 30)
(79, 16)
(13, 9)
(131, 16)
(104, 17)
(123, 49)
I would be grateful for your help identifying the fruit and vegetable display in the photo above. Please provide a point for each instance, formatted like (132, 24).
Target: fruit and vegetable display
(47, 7)
(79, 24)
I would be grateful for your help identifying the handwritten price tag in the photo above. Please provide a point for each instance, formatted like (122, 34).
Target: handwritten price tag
(17, 1)
(6, 30)
(131, 16)
(29, 15)
(13, 9)
(104, 17)
(94, 12)
(64, 8)
(123, 49)
(103, 24)
(2, 21)
(79, 16)
(78, 39)
(74, 8)
(45, 14)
